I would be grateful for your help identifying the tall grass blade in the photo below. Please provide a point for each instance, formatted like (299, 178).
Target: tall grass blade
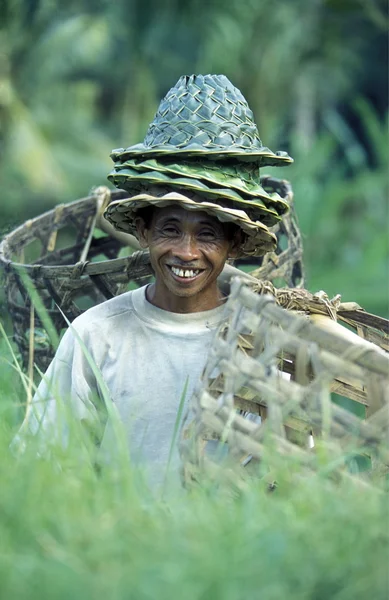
(40, 308)
(31, 358)
(176, 430)
(15, 360)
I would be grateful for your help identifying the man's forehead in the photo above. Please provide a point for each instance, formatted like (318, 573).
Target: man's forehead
(180, 214)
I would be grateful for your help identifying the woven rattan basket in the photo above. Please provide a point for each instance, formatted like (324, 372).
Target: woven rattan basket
(73, 269)
(271, 374)
(73, 265)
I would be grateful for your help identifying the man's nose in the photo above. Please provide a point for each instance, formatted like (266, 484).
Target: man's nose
(187, 248)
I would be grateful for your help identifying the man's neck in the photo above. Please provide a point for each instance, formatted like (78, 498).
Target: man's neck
(181, 304)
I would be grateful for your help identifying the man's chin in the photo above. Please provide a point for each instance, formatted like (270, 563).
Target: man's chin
(184, 292)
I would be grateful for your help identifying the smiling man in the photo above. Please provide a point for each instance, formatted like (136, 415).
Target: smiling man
(195, 200)
(188, 251)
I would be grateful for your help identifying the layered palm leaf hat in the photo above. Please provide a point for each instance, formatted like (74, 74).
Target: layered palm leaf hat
(203, 152)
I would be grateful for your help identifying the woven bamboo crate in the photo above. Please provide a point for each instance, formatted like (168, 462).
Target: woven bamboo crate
(75, 265)
(271, 373)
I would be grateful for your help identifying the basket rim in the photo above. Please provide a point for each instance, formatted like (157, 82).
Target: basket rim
(6, 241)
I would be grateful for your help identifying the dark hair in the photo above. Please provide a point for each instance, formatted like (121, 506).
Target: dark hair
(231, 230)
(146, 214)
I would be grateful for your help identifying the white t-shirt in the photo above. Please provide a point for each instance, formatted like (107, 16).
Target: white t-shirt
(146, 356)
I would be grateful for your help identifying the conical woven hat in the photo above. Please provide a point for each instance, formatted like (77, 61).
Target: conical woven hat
(202, 146)
(204, 115)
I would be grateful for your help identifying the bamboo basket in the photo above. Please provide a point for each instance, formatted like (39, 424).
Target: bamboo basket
(271, 374)
(73, 269)
(73, 258)
(284, 267)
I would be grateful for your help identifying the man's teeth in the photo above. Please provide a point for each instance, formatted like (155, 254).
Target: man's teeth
(185, 272)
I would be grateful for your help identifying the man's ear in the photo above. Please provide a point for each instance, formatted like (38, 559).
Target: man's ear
(236, 244)
(141, 231)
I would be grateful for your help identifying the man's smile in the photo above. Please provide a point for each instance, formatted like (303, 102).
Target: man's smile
(185, 274)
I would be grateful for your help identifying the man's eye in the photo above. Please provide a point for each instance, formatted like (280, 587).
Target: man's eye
(207, 234)
(170, 230)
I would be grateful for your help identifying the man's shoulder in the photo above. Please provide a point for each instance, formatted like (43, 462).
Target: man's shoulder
(104, 312)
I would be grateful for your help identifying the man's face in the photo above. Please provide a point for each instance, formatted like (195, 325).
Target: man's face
(188, 251)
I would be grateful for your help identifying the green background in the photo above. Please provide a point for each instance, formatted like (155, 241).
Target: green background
(80, 78)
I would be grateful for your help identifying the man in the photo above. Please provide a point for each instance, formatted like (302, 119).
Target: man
(195, 201)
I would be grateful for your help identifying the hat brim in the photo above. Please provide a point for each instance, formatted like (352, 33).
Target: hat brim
(243, 179)
(258, 240)
(133, 182)
(262, 156)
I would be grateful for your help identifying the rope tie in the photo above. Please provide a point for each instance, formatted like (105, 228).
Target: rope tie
(79, 268)
(136, 260)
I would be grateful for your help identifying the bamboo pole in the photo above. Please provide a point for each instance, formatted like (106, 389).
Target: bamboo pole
(365, 354)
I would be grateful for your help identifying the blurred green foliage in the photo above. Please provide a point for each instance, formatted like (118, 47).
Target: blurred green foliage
(80, 78)
(68, 530)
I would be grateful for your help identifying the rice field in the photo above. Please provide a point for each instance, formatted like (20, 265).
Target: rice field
(69, 530)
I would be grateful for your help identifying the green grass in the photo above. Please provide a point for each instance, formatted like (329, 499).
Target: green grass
(70, 531)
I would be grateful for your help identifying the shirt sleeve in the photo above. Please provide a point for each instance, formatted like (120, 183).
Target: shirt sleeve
(68, 396)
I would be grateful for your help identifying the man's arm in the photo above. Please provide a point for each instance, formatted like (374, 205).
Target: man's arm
(66, 397)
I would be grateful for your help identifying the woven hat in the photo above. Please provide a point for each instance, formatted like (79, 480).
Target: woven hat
(203, 143)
